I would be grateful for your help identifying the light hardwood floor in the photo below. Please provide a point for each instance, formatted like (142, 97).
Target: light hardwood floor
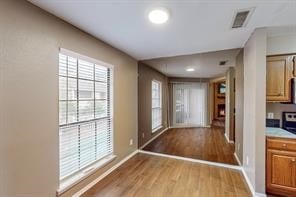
(152, 176)
(198, 143)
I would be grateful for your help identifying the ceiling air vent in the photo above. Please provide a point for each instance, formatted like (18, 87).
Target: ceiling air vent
(222, 63)
(241, 18)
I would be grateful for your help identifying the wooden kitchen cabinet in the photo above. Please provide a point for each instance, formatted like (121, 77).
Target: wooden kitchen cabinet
(279, 72)
(281, 166)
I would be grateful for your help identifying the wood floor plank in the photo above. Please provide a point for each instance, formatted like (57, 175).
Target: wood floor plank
(198, 143)
(152, 176)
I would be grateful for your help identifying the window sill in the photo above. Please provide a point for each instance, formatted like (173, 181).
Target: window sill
(70, 182)
(156, 129)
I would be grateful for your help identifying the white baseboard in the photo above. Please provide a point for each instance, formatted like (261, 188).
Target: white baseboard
(190, 126)
(248, 182)
(260, 195)
(237, 159)
(227, 139)
(91, 184)
(193, 160)
(254, 194)
(154, 138)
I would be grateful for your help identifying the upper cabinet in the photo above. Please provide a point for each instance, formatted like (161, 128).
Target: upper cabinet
(279, 72)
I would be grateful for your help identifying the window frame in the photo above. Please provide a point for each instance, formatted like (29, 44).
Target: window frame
(154, 129)
(72, 179)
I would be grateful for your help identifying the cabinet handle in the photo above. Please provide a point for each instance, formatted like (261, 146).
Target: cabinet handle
(293, 160)
(284, 145)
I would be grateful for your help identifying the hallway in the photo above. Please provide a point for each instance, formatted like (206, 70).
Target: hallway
(198, 143)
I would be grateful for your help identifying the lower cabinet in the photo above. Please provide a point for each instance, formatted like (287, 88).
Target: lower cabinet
(281, 167)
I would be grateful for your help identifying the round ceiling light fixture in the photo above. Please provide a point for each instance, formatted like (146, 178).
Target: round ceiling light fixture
(190, 69)
(158, 16)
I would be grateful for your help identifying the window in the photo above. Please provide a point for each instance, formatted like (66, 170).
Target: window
(85, 112)
(156, 105)
(190, 104)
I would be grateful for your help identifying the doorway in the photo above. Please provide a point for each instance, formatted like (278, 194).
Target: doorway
(190, 104)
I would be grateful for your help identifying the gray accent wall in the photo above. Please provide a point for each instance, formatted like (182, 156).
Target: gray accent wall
(145, 76)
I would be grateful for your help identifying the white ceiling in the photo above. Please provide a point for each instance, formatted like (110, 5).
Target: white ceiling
(206, 65)
(194, 27)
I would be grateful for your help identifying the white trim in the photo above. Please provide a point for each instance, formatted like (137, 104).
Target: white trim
(69, 181)
(193, 160)
(260, 194)
(154, 138)
(254, 194)
(248, 182)
(237, 159)
(227, 139)
(157, 128)
(91, 184)
(190, 126)
(84, 57)
(80, 175)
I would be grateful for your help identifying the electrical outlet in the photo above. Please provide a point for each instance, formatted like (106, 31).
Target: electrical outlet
(247, 160)
(143, 135)
(131, 142)
(270, 115)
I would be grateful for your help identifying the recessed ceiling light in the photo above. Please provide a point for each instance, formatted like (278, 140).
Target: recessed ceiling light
(159, 16)
(190, 69)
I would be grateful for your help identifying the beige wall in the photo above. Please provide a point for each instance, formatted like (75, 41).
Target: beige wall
(254, 109)
(239, 104)
(30, 41)
(146, 75)
(281, 44)
(229, 104)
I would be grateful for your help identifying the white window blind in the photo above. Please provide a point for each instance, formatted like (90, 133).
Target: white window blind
(85, 113)
(156, 105)
(190, 104)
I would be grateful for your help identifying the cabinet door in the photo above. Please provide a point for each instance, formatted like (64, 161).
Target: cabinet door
(279, 72)
(281, 172)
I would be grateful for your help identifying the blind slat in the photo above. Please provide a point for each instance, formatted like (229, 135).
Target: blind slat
(156, 104)
(85, 114)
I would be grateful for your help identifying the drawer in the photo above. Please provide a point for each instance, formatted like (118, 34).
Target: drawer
(281, 144)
